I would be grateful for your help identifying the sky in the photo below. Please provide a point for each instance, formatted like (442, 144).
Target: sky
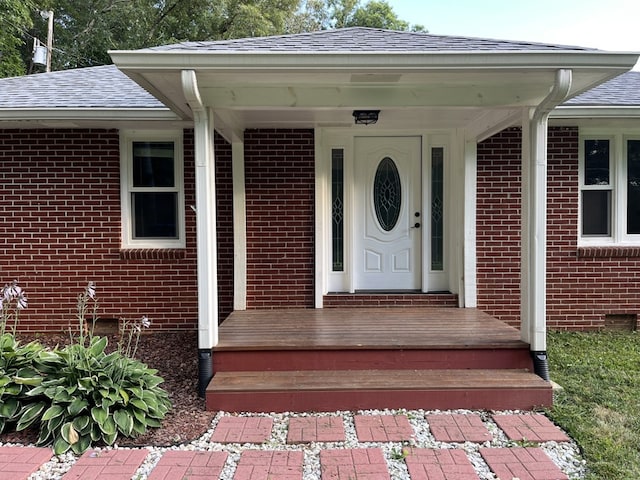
(612, 25)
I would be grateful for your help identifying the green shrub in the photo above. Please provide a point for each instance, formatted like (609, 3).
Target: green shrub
(90, 396)
(17, 375)
(80, 394)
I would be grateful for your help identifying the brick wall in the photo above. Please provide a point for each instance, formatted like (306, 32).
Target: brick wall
(498, 225)
(279, 171)
(583, 285)
(60, 228)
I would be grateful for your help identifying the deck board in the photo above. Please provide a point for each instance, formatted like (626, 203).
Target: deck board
(365, 328)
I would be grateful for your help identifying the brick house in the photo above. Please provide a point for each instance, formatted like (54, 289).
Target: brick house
(336, 169)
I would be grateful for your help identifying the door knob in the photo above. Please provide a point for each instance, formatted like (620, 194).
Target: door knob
(416, 225)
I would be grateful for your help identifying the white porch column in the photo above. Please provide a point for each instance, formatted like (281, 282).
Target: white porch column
(533, 306)
(239, 228)
(206, 229)
(469, 282)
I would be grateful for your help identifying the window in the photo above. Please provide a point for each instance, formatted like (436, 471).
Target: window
(337, 209)
(152, 190)
(610, 189)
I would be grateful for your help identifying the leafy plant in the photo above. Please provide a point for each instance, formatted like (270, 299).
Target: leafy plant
(17, 375)
(91, 396)
(80, 394)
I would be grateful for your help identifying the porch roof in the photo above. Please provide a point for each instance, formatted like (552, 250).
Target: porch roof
(316, 79)
(616, 102)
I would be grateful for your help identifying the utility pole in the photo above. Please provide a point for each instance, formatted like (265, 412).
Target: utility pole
(49, 39)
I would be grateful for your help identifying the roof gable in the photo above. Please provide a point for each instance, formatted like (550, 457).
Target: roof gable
(362, 39)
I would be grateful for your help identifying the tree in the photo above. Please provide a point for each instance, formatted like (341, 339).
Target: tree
(378, 14)
(84, 31)
(325, 14)
(15, 20)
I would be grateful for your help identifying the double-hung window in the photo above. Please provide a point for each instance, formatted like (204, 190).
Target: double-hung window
(152, 190)
(610, 189)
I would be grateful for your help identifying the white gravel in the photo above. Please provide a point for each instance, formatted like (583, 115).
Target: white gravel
(565, 455)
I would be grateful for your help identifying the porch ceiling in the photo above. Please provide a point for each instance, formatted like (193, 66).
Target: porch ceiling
(419, 91)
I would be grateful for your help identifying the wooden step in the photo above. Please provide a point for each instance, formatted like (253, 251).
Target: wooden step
(389, 299)
(515, 358)
(296, 391)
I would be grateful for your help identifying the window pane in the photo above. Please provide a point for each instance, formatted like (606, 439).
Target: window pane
(155, 215)
(153, 164)
(596, 162)
(387, 194)
(633, 186)
(437, 219)
(337, 208)
(596, 217)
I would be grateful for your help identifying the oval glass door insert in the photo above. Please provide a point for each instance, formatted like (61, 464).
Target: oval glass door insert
(387, 194)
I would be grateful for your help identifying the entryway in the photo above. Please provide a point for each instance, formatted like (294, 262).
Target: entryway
(389, 219)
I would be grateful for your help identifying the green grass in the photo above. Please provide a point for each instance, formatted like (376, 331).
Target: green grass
(600, 404)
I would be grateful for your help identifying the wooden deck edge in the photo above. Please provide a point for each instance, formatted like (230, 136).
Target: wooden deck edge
(375, 380)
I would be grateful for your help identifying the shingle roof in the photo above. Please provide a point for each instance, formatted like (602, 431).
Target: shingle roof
(622, 90)
(364, 40)
(92, 87)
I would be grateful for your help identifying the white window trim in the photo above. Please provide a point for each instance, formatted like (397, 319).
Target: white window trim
(618, 186)
(126, 187)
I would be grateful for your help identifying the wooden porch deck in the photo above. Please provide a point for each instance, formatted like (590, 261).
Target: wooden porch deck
(365, 328)
(358, 358)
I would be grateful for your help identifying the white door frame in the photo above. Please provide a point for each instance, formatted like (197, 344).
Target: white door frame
(328, 140)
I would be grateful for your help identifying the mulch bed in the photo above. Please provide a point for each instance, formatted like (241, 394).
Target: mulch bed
(175, 356)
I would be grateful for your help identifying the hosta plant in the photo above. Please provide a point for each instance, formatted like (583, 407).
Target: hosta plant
(17, 375)
(81, 394)
(90, 396)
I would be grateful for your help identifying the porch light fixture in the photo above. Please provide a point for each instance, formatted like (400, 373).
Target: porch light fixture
(366, 117)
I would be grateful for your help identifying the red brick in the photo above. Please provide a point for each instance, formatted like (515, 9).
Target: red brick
(428, 464)
(458, 428)
(348, 464)
(383, 428)
(521, 463)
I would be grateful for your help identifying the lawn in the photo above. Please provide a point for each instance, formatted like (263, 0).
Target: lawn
(600, 404)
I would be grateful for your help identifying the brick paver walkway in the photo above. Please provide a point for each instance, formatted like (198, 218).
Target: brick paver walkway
(349, 464)
(107, 465)
(242, 430)
(267, 465)
(17, 463)
(354, 458)
(192, 465)
(316, 429)
(458, 428)
(383, 428)
(532, 428)
(429, 464)
(521, 463)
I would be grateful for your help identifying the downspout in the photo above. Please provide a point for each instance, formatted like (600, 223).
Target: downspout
(537, 221)
(206, 230)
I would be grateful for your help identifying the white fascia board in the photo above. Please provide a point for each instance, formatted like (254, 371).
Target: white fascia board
(579, 112)
(12, 114)
(397, 61)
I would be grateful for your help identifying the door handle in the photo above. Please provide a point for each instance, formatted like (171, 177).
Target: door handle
(416, 225)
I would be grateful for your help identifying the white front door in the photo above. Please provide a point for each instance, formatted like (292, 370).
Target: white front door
(388, 226)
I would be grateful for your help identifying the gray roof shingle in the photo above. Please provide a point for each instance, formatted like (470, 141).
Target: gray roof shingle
(361, 39)
(91, 87)
(623, 90)
(107, 87)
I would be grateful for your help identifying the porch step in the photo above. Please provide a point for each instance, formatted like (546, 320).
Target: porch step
(390, 299)
(509, 355)
(330, 390)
